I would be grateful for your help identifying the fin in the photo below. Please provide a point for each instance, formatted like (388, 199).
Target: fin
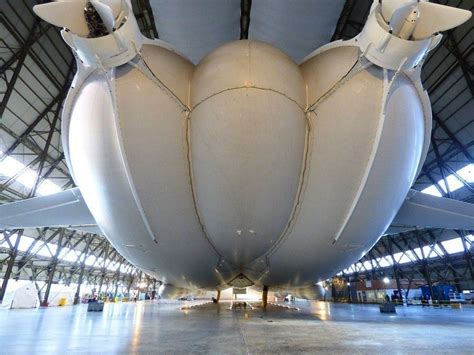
(425, 211)
(63, 209)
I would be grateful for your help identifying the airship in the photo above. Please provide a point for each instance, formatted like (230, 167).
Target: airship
(246, 169)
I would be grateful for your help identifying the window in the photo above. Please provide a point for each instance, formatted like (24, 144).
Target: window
(466, 173)
(453, 246)
(10, 167)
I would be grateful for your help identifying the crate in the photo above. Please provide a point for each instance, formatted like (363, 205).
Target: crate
(95, 307)
(388, 308)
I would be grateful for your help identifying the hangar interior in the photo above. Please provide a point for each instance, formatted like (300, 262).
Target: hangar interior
(65, 265)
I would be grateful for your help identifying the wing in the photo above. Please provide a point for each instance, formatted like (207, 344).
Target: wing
(63, 209)
(425, 211)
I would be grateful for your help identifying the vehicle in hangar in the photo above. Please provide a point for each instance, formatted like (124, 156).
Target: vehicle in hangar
(246, 169)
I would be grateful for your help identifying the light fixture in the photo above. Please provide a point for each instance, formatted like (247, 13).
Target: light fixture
(386, 280)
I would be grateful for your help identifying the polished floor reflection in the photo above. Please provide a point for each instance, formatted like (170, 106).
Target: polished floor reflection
(171, 328)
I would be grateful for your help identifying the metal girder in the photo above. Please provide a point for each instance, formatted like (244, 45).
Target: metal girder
(467, 253)
(434, 264)
(245, 8)
(466, 67)
(453, 138)
(11, 262)
(144, 15)
(343, 19)
(77, 295)
(28, 255)
(45, 151)
(352, 19)
(36, 59)
(36, 33)
(68, 271)
(52, 268)
(57, 101)
(16, 72)
(440, 167)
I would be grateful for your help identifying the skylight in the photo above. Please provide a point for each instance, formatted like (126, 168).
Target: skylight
(432, 190)
(66, 254)
(452, 246)
(10, 167)
(466, 173)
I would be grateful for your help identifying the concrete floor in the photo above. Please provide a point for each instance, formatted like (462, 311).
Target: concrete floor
(165, 328)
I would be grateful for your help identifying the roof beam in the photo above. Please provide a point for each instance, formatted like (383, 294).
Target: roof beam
(245, 8)
(466, 68)
(56, 101)
(453, 138)
(36, 32)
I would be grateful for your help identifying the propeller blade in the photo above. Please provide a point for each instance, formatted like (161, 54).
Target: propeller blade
(105, 13)
(436, 18)
(115, 5)
(390, 6)
(68, 14)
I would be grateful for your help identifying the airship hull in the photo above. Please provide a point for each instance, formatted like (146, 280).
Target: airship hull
(245, 164)
(247, 169)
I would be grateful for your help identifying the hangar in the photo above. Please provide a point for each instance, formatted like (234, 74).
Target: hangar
(226, 150)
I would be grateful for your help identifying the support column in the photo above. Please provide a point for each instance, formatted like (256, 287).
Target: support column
(395, 270)
(117, 280)
(265, 297)
(11, 263)
(147, 286)
(38, 290)
(77, 296)
(139, 285)
(218, 298)
(153, 293)
(467, 253)
(103, 268)
(52, 269)
(129, 285)
(425, 268)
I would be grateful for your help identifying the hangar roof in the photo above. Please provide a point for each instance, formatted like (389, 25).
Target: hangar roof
(37, 67)
(195, 28)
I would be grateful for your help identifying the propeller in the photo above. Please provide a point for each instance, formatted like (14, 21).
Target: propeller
(412, 19)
